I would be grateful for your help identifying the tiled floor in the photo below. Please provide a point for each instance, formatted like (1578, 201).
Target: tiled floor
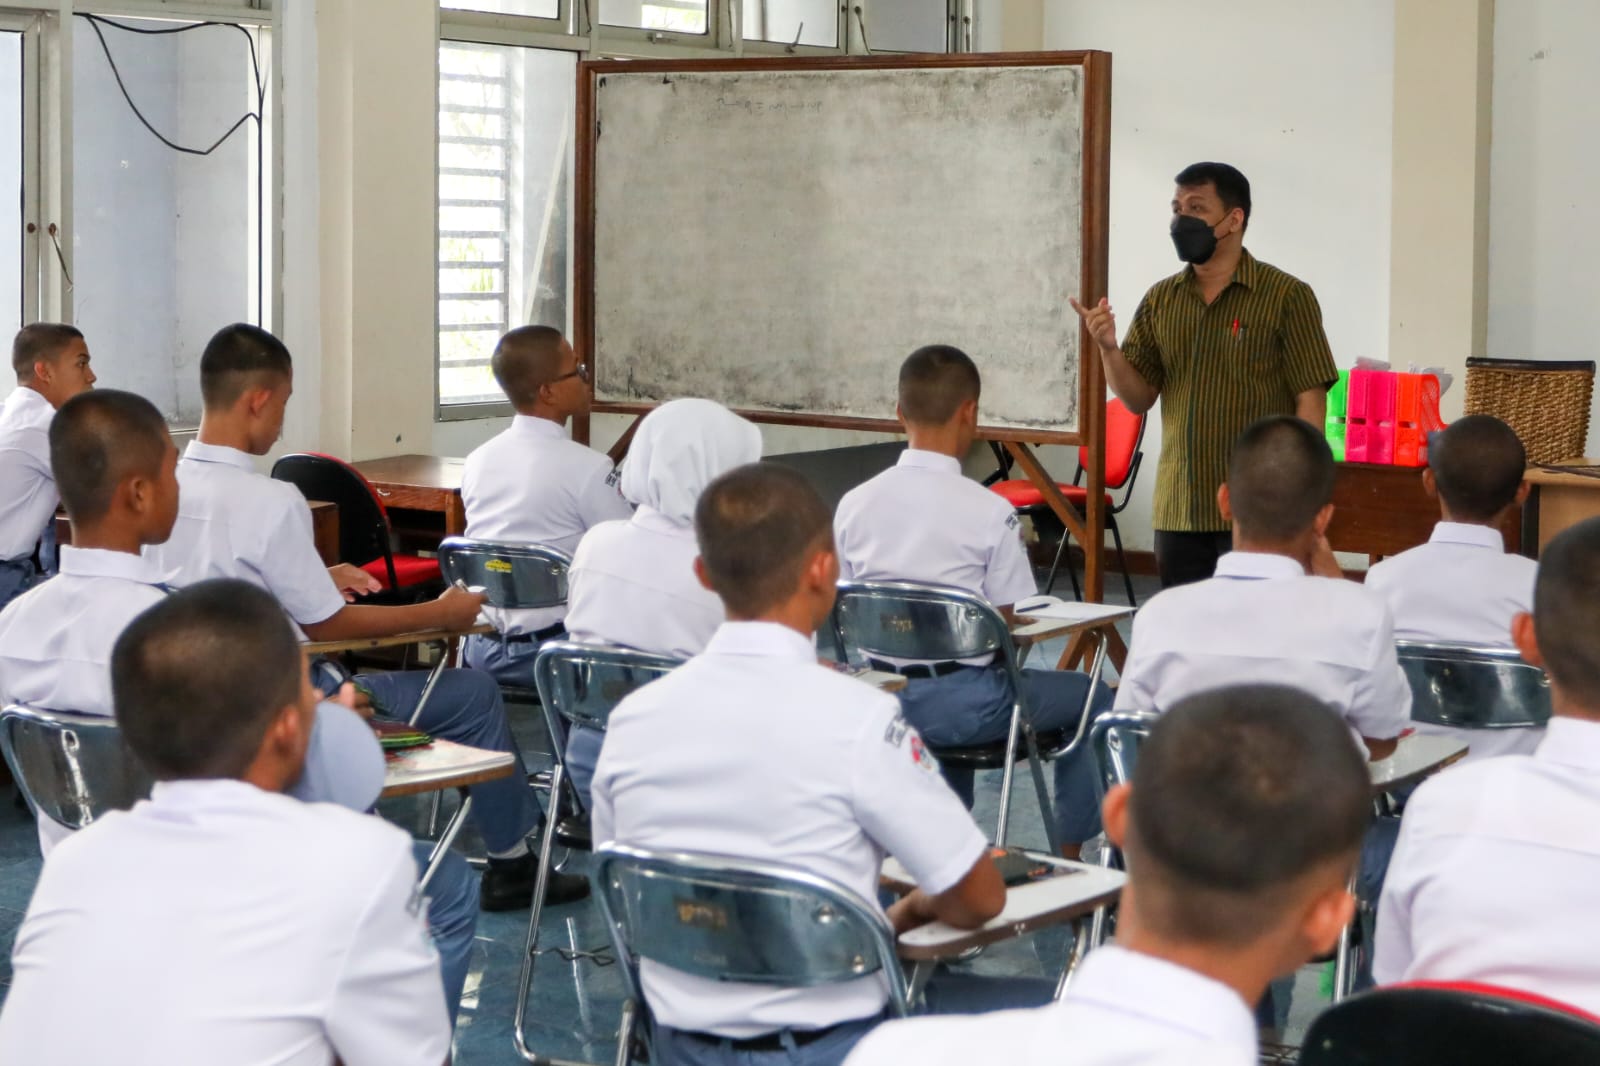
(575, 1006)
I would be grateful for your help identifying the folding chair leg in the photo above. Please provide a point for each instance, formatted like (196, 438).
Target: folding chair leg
(427, 690)
(1006, 775)
(1343, 961)
(433, 813)
(1055, 567)
(1036, 765)
(625, 1027)
(1082, 936)
(1122, 559)
(536, 909)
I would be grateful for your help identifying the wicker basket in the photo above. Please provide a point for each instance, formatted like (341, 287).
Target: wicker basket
(1546, 403)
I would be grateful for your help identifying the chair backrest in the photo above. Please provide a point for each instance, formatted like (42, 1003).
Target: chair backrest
(1115, 740)
(1450, 1025)
(905, 620)
(583, 683)
(733, 919)
(72, 768)
(1474, 688)
(513, 576)
(1124, 434)
(363, 520)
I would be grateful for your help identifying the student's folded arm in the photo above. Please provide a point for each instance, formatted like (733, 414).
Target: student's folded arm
(970, 902)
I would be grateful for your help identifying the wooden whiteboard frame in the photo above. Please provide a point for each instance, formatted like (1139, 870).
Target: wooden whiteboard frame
(1088, 527)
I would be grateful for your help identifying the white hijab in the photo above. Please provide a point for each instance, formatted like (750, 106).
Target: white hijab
(680, 448)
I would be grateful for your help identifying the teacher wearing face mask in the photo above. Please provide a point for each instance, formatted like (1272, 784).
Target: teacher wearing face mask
(1225, 341)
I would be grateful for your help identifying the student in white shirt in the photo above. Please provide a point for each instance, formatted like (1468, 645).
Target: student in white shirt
(922, 520)
(808, 767)
(51, 361)
(1269, 615)
(236, 522)
(1463, 587)
(1493, 879)
(1239, 830)
(219, 921)
(115, 465)
(534, 484)
(633, 582)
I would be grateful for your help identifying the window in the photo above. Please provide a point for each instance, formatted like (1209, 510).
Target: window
(167, 187)
(505, 163)
(813, 22)
(12, 151)
(667, 16)
(907, 25)
(543, 9)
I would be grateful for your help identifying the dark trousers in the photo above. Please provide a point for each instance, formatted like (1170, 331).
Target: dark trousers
(1184, 558)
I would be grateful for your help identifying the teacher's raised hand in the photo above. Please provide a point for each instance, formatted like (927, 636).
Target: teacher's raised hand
(1101, 322)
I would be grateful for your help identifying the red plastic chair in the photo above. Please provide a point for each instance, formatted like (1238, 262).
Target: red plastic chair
(365, 538)
(1124, 435)
(1451, 1024)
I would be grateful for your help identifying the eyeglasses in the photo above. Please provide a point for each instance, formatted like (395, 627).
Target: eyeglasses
(581, 373)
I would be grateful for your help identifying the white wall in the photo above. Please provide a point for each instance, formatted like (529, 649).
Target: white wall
(1299, 96)
(1543, 213)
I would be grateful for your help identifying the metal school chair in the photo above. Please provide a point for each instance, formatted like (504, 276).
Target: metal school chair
(904, 620)
(1470, 687)
(1429, 1024)
(72, 768)
(580, 685)
(737, 920)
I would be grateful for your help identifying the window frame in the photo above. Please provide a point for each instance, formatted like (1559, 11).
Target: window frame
(577, 29)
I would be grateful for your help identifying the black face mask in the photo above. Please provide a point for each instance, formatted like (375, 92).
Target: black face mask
(1193, 238)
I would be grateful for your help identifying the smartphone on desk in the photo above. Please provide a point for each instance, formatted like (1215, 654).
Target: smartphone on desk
(1017, 867)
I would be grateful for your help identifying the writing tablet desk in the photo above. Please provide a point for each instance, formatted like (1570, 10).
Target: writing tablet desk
(442, 639)
(439, 766)
(1418, 756)
(1084, 635)
(421, 492)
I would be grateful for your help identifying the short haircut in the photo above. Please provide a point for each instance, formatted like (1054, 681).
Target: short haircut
(934, 382)
(98, 439)
(525, 360)
(1280, 475)
(1237, 794)
(238, 358)
(758, 525)
(40, 340)
(1233, 188)
(197, 679)
(1566, 611)
(1478, 463)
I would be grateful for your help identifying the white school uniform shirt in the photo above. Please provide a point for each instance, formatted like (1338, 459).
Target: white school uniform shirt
(1461, 588)
(1121, 1009)
(533, 484)
(1493, 878)
(56, 638)
(810, 768)
(633, 583)
(1263, 620)
(217, 923)
(923, 520)
(236, 522)
(28, 495)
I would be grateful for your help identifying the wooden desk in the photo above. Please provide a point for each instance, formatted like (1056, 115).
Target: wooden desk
(1380, 511)
(1560, 501)
(425, 485)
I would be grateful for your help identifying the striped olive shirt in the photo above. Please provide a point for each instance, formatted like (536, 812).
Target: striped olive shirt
(1218, 368)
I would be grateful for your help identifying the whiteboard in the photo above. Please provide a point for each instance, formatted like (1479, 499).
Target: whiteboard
(780, 240)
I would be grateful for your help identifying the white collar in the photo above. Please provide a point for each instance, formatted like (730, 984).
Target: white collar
(208, 792)
(1571, 742)
(534, 426)
(101, 562)
(764, 639)
(1168, 994)
(220, 453)
(647, 517)
(924, 460)
(1463, 533)
(22, 398)
(1258, 566)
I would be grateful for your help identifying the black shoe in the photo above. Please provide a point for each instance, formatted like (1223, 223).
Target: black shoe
(507, 885)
